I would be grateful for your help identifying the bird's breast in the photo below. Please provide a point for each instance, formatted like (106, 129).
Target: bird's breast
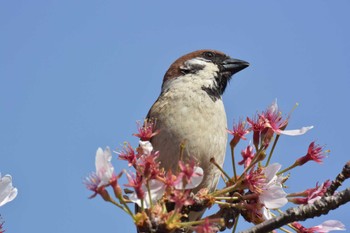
(194, 120)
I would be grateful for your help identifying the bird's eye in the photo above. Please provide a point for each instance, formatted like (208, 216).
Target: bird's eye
(209, 54)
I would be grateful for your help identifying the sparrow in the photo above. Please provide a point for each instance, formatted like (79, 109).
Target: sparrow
(190, 113)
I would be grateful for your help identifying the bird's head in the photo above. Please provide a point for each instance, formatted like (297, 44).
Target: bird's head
(209, 70)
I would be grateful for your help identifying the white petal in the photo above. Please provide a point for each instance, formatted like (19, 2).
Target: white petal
(7, 191)
(133, 198)
(330, 225)
(104, 168)
(194, 181)
(273, 197)
(296, 132)
(157, 189)
(271, 170)
(146, 147)
(266, 213)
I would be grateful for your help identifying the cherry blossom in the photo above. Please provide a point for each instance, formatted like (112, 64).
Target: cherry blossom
(327, 226)
(92, 183)
(271, 118)
(190, 176)
(155, 192)
(128, 154)
(149, 166)
(330, 225)
(104, 167)
(311, 194)
(147, 130)
(314, 153)
(239, 131)
(257, 126)
(181, 198)
(273, 195)
(247, 155)
(267, 184)
(136, 182)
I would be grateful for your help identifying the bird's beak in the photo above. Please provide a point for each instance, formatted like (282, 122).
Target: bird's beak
(234, 65)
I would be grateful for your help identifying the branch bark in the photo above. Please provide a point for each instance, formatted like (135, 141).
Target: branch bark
(303, 212)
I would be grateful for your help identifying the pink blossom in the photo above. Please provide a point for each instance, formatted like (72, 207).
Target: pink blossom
(318, 192)
(190, 176)
(7, 191)
(272, 118)
(148, 166)
(256, 180)
(136, 182)
(247, 155)
(327, 226)
(181, 198)
(170, 179)
(267, 185)
(155, 192)
(314, 153)
(147, 130)
(91, 182)
(238, 132)
(206, 227)
(128, 154)
(257, 125)
(312, 194)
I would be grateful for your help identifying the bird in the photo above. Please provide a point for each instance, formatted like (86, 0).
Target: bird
(190, 114)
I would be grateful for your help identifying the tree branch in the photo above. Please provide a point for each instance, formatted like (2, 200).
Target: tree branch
(345, 174)
(303, 212)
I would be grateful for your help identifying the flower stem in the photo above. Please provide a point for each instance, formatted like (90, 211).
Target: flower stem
(192, 223)
(225, 204)
(227, 198)
(121, 199)
(149, 194)
(125, 208)
(236, 223)
(287, 169)
(142, 205)
(233, 161)
(241, 178)
(285, 230)
(212, 160)
(272, 149)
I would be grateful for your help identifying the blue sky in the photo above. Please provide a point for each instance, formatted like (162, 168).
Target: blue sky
(76, 75)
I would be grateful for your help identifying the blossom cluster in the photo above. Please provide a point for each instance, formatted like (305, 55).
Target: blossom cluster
(166, 198)
(151, 186)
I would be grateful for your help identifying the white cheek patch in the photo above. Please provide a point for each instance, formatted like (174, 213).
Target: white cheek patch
(196, 62)
(205, 75)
